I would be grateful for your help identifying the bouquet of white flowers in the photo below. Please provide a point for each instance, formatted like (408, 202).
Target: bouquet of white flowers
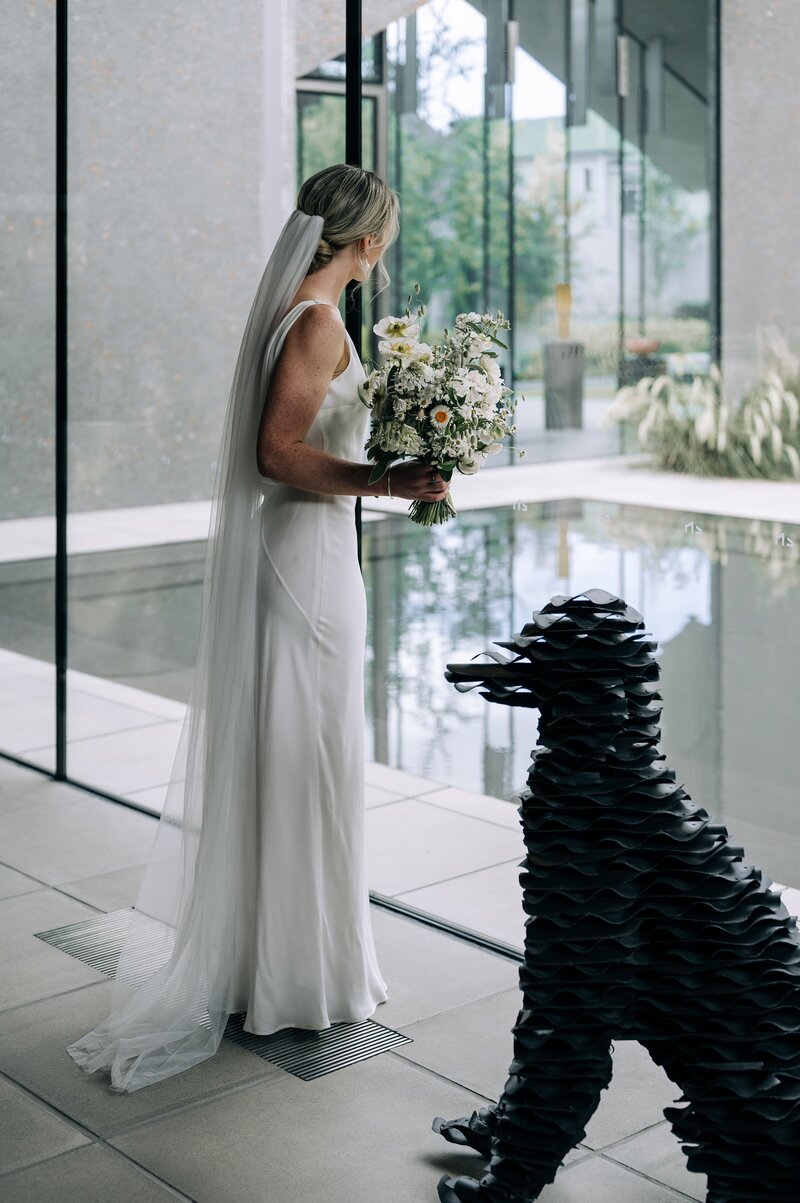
(446, 405)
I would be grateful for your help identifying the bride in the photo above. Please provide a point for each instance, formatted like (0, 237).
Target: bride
(254, 898)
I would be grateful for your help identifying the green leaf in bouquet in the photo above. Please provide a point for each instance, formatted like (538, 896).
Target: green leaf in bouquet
(499, 342)
(378, 471)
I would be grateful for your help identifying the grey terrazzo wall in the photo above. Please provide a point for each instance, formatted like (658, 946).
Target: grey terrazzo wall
(176, 189)
(760, 179)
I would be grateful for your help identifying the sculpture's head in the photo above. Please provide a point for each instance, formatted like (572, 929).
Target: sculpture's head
(582, 661)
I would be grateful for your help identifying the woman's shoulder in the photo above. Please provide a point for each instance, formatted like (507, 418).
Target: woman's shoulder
(313, 305)
(317, 330)
(319, 318)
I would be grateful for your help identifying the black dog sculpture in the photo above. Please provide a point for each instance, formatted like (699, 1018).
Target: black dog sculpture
(643, 924)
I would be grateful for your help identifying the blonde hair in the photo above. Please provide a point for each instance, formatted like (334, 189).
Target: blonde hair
(354, 203)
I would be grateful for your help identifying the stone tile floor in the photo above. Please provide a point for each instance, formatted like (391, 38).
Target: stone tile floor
(237, 1129)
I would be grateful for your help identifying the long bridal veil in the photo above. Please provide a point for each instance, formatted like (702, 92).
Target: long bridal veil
(172, 993)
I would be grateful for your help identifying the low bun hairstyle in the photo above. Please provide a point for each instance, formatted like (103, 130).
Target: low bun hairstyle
(353, 203)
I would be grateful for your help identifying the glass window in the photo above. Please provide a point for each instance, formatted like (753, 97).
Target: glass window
(27, 387)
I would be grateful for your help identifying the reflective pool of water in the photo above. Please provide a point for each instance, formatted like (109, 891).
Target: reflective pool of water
(719, 595)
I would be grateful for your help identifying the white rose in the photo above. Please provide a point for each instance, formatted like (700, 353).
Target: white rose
(477, 345)
(491, 367)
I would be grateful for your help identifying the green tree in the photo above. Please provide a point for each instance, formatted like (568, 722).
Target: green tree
(670, 232)
(443, 214)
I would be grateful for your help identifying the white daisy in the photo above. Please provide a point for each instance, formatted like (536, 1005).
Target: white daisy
(440, 415)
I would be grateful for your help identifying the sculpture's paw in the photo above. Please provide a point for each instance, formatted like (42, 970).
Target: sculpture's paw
(458, 1190)
(474, 1131)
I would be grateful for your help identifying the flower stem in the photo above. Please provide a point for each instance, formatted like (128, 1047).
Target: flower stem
(431, 513)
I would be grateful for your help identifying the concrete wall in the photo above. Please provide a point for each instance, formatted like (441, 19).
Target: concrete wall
(760, 237)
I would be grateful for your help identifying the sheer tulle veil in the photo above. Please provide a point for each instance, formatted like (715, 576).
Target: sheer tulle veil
(172, 993)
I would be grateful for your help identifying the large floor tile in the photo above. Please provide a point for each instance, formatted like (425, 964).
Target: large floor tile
(358, 1135)
(12, 774)
(470, 1045)
(155, 705)
(635, 1099)
(126, 760)
(108, 891)
(24, 790)
(398, 780)
(411, 844)
(428, 972)
(92, 1174)
(595, 1180)
(33, 1042)
(29, 1131)
(487, 900)
(30, 968)
(473, 1045)
(152, 798)
(81, 839)
(658, 1154)
(19, 684)
(12, 883)
(375, 795)
(26, 722)
(31, 723)
(478, 806)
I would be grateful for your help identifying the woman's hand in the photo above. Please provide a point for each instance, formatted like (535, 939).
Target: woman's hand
(412, 480)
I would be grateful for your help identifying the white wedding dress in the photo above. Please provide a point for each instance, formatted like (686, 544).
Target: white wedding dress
(305, 955)
(254, 895)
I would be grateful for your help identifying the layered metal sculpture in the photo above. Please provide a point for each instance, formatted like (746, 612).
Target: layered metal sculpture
(644, 923)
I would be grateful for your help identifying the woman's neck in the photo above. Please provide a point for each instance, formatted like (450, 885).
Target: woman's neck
(326, 284)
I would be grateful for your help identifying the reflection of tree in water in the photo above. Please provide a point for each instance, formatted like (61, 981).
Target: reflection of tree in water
(443, 591)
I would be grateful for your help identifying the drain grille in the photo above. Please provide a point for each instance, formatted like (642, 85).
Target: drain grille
(306, 1054)
(96, 941)
(310, 1055)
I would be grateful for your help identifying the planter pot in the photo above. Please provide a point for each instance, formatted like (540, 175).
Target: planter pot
(633, 368)
(563, 385)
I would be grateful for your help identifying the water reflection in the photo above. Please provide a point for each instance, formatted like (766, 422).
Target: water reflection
(718, 594)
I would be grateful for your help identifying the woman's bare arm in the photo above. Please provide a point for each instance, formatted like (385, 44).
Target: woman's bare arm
(300, 380)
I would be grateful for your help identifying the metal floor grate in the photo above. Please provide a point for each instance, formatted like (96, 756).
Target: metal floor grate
(96, 941)
(306, 1054)
(310, 1055)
